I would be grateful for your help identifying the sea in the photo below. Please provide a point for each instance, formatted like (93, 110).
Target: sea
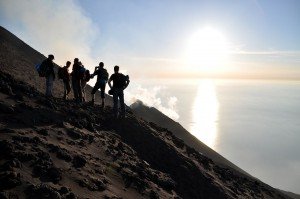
(253, 123)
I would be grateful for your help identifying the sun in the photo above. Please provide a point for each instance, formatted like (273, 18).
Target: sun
(207, 51)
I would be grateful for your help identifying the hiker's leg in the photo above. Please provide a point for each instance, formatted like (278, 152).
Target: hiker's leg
(121, 96)
(68, 87)
(83, 83)
(115, 98)
(65, 90)
(49, 85)
(74, 85)
(79, 90)
(94, 90)
(102, 87)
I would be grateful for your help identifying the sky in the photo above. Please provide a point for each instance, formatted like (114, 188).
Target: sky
(167, 39)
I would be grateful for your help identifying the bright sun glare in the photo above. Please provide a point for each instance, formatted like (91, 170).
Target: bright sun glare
(208, 51)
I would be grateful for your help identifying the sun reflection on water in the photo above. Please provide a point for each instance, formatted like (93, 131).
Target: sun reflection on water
(205, 113)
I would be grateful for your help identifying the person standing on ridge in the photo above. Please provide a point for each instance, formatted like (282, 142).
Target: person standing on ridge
(84, 78)
(76, 81)
(49, 74)
(102, 77)
(120, 82)
(63, 73)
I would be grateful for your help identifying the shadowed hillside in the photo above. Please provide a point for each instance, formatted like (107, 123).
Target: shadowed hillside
(151, 114)
(57, 149)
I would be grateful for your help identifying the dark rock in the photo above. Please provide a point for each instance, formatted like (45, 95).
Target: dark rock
(42, 191)
(63, 190)
(79, 161)
(9, 180)
(50, 104)
(22, 139)
(71, 142)
(153, 195)
(74, 134)
(93, 184)
(47, 174)
(178, 142)
(90, 127)
(6, 149)
(54, 174)
(19, 97)
(63, 155)
(25, 139)
(24, 105)
(131, 178)
(120, 146)
(43, 132)
(81, 143)
(5, 108)
(71, 196)
(14, 163)
(4, 195)
(5, 88)
(53, 148)
(111, 196)
(24, 156)
(166, 182)
(91, 138)
(8, 130)
(100, 184)
(190, 150)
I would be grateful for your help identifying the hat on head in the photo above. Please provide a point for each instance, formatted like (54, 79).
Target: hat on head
(51, 56)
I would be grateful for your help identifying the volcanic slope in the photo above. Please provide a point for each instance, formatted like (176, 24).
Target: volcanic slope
(151, 114)
(58, 149)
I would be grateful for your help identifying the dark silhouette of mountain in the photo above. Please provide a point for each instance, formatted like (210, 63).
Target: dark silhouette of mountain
(151, 114)
(56, 149)
(290, 194)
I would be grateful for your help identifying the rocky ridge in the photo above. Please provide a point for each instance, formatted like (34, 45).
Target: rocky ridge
(57, 149)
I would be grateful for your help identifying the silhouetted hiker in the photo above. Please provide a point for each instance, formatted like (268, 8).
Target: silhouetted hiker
(120, 82)
(49, 74)
(102, 77)
(76, 81)
(85, 77)
(63, 74)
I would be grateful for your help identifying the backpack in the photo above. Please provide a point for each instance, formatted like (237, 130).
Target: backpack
(42, 69)
(87, 76)
(81, 72)
(60, 73)
(124, 79)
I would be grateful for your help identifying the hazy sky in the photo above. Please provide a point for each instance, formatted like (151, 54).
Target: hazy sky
(175, 38)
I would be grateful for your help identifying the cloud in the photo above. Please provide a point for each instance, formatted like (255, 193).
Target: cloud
(278, 53)
(57, 27)
(151, 97)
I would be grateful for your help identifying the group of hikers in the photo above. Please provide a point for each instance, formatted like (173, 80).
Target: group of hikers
(79, 77)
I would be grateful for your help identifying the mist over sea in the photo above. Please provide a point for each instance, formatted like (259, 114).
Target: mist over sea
(253, 123)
